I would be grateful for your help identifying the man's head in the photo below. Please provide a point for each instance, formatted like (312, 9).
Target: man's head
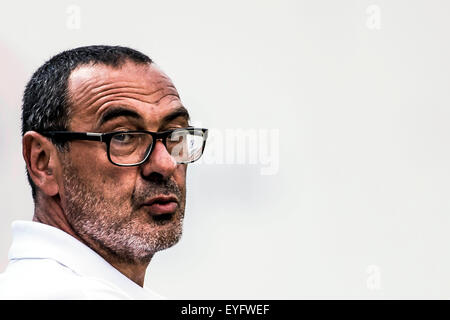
(112, 208)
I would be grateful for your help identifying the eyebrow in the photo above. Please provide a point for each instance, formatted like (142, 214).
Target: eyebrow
(116, 112)
(178, 112)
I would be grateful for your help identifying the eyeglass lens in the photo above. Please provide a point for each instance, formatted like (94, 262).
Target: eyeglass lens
(132, 148)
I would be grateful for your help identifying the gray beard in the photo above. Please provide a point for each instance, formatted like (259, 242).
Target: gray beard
(120, 234)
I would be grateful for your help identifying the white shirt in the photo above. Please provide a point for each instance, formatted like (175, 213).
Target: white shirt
(48, 263)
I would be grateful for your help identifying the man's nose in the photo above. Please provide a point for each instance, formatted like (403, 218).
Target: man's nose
(160, 161)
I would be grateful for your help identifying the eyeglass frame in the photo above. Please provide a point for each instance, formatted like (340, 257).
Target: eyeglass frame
(107, 136)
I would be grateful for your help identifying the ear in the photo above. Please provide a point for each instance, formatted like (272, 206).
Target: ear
(42, 162)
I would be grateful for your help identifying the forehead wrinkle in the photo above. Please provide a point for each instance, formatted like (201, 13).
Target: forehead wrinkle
(139, 96)
(89, 87)
(93, 77)
(171, 98)
(93, 91)
(116, 92)
(105, 92)
(109, 85)
(118, 100)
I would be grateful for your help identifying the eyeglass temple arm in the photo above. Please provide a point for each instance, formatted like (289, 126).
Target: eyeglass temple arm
(65, 135)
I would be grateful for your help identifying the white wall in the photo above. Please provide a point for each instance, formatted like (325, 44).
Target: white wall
(358, 93)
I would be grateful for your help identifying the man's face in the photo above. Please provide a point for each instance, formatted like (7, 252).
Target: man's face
(107, 205)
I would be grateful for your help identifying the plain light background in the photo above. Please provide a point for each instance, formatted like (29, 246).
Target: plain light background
(359, 93)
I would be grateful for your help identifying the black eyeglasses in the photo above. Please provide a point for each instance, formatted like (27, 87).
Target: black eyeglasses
(132, 148)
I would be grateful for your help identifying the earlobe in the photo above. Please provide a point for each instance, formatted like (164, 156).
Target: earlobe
(40, 156)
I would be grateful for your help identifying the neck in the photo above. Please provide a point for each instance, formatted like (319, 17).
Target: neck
(48, 210)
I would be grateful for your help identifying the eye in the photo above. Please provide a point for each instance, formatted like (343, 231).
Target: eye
(122, 138)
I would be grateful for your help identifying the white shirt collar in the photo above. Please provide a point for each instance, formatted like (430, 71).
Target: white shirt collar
(38, 240)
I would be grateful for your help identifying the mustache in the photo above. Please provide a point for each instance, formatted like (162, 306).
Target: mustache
(152, 189)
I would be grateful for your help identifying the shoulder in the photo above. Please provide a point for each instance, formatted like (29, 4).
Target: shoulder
(48, 279)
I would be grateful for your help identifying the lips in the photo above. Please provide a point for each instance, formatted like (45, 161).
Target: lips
(161, 205)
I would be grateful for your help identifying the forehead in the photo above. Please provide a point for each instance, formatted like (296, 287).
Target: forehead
(142, 87)
(92, 75)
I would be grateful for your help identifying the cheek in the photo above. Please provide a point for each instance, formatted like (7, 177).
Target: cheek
(112, 182)
(118, 183)
(180, 177)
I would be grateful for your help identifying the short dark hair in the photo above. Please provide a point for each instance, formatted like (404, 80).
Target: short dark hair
(46, 98)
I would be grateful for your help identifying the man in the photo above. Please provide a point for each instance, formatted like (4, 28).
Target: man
(106, 142)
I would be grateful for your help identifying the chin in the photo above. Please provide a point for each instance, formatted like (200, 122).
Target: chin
(162, 234)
